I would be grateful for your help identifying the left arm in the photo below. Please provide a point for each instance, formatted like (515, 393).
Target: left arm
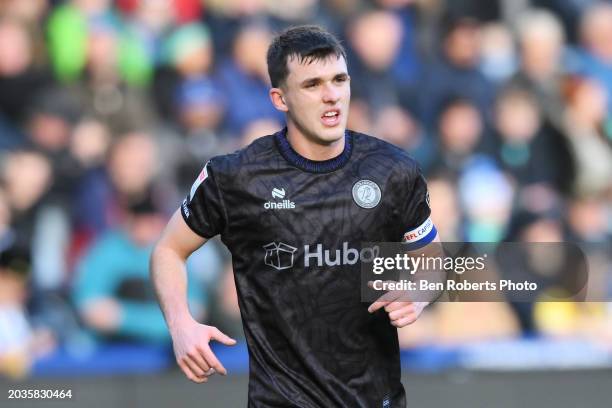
(421, 239)
(403, 312)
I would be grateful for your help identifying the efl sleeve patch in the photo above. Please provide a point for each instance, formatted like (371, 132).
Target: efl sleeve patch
(203, 209)
(423, 234)
(203, 176)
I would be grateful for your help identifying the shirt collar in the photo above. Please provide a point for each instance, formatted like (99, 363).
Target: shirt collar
(313, 166)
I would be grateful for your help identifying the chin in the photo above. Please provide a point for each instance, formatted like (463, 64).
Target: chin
(331, 135)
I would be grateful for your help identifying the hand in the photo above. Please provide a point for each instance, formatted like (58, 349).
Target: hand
(401, 313)
(192, 351)
(103, 314)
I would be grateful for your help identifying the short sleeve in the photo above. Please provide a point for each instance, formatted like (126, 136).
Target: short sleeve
(203, 209)
(416, 215)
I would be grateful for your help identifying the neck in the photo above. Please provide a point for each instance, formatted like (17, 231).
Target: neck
(306, 145)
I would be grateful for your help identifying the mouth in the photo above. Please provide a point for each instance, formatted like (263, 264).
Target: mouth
(331, 117)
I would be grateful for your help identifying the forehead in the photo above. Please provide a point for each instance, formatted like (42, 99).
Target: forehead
(306, 68)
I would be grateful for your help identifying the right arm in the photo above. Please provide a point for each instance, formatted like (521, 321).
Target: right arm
(168, 273)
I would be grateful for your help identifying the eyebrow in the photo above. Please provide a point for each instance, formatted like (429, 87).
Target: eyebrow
(316, 80)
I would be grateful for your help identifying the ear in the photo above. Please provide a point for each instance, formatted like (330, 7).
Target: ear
(276, 96)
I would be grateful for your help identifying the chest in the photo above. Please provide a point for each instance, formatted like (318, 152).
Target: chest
(313, 207)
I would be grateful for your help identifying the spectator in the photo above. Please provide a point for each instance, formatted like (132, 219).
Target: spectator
(590, 140)
(89, 47)
(15, 330)
(376, 39)
(20, 343)
(112, 291)
(460, 133)
(20, 79)
(541, 43)
(49, 124)
(130, 172)
(400, 127)
(27, 176)
(499, 59)
(588, 220)
(456, 71)
(445, 209)
(106, 91)
(225, 17)
(68, 28)
(146, 23)
(186, 91)
(596, 50)
(529, 149)
(486, 196)
(245, 82)
(90, 143)
(543, 263)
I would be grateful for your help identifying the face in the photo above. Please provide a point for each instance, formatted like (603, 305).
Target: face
(463, 46)
(460, 128)
(132, 163)
(316, 97)
(517, 119)
(145, 228)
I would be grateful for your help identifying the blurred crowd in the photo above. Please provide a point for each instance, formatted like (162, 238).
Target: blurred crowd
(108, 110)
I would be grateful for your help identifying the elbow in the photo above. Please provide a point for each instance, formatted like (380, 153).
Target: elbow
(163, 255)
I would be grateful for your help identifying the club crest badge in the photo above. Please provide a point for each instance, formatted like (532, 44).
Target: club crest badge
(366, 194)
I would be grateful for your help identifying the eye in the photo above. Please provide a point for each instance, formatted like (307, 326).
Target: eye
(311, 85)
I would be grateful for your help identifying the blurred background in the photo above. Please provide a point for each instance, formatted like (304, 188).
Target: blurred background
(109, 109)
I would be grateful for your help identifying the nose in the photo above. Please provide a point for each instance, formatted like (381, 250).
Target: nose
(331, 93)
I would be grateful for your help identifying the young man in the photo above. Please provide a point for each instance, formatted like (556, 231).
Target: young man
(294, 208)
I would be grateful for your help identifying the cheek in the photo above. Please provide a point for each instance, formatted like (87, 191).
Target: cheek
(304, 106)
(347, 92)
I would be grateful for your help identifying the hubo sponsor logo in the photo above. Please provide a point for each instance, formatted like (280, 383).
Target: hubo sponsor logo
(279, 193)
(316, 255)
(281, 256)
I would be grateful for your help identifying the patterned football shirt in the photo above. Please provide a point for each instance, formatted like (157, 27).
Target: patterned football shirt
(295, 228)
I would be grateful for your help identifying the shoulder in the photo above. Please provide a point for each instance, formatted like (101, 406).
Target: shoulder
(260, 150)
(394, 157)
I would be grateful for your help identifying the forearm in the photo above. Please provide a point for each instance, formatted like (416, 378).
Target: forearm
(169, 277)
(431, 252)
(143, 321)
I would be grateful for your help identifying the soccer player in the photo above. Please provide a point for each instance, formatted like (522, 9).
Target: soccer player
(293, 208)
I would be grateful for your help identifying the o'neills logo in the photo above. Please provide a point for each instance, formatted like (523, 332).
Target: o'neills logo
(279, 205)
(283, 205)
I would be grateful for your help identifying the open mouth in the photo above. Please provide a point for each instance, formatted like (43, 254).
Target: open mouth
(331, 117)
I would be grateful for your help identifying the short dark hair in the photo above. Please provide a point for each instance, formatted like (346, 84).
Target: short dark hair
(306, 42)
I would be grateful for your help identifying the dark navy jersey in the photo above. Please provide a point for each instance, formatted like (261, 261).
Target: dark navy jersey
(295, 228)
